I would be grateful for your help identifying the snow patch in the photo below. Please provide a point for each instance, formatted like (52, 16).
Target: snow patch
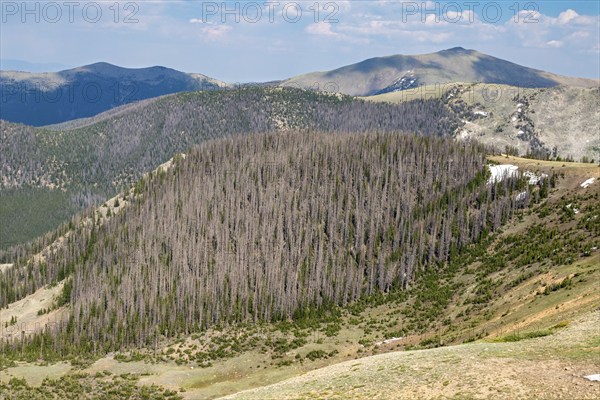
(534, 179)
(587, 183)
(480, 113)
(499, 172)
(593, 377)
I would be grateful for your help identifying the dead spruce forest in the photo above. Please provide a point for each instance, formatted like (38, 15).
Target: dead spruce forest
(49, 174)
(263, 227)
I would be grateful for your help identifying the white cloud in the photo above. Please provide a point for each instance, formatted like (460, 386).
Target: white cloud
(554, 43)
(567, 16)
(572, 17)
(579, 35)
(578, 32)
(216, 31)
(321, 29)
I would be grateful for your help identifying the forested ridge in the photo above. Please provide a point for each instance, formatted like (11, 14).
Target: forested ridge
(270, 226)
(81, 167)
(118, 149)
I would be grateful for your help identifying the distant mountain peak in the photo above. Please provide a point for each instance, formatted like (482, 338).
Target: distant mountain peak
(97, 66)
(101, 64)
(456, 64)
(457, 49)
(64, 95)
(106, 68)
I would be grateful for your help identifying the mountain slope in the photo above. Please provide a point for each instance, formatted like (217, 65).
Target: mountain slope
(520, 282)
(48, 98)
(559, 121)
(279, 233)
(83, 166)
(400, 72)
(504, 292)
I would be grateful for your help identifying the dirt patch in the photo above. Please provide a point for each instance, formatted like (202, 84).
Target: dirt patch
(26, 313)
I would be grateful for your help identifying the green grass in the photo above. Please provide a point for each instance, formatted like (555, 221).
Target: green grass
(517, 337)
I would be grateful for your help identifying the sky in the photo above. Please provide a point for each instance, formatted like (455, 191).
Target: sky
(247, 41)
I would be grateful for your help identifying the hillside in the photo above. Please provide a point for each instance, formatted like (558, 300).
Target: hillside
(48, 98)
(76, 168)
(258, 201)
(400, 72)
(526, 295)
(549, 122)
(534, 338)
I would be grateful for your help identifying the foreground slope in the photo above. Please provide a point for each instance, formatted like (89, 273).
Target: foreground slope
(547, 368)
(401, 72)
(535, 277)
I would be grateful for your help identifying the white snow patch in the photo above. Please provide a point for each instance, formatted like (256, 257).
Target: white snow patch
(519, 105)
(587, 183)
(575, 210)
(593, 377)
(499, 172)
(520, 133)
(534, 179)
(480, 113)
(514, 119)
(519, 110)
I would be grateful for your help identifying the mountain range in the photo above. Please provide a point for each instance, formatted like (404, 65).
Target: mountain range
(89, 159)
(265, 241)
(39, 99)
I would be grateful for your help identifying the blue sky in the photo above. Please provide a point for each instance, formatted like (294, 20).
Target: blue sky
(257, 41)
